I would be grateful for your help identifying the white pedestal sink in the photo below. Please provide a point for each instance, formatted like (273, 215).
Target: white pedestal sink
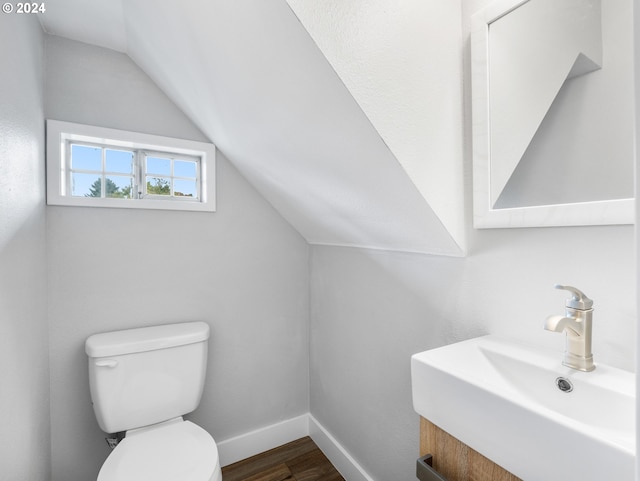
(502, 399)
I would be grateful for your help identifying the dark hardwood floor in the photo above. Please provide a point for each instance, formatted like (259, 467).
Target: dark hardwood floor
(299, 460)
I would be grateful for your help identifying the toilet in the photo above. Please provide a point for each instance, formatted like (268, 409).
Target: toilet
(142, 382)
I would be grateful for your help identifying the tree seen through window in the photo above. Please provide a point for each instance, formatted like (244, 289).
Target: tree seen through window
(111, 190)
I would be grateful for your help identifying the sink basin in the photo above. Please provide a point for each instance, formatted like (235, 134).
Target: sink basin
(502, 399)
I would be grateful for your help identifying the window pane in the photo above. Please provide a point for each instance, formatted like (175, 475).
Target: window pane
(86, 185)
(184, 168)
(184, 188)
(158, 186)
(120, 161)
(118, 186)
(158, 166)
(84, 157)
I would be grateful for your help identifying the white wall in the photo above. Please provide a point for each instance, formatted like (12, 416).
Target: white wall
(24, 371)
(370, 310)
(243, 270)
(401, 62)
(287, 121)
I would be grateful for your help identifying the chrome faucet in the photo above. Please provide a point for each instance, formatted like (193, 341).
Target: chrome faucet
(576, 324)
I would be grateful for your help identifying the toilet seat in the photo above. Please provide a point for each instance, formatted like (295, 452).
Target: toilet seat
(177, 450)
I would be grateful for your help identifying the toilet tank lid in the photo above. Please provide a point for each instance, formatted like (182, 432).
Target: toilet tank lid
(130, 341)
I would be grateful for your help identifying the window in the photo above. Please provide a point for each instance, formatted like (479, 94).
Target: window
(95, 166)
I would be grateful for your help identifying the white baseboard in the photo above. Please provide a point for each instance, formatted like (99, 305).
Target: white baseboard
(339, 457)
(261, 440)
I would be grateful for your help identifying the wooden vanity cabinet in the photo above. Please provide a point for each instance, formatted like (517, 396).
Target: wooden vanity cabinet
(455, 460)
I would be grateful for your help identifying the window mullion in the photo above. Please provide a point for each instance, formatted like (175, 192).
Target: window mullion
(171, 191)
(103, 193)
(139, 174)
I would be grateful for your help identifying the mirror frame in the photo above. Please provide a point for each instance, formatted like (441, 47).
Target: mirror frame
(605, 212)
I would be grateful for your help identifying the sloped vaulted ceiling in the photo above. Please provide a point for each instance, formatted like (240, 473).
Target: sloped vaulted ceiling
(251, 77)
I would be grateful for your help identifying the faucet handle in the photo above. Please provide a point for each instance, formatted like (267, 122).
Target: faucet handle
(578, 300)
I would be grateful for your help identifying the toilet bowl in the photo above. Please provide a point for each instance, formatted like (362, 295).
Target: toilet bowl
(175, 450)
(142, 382)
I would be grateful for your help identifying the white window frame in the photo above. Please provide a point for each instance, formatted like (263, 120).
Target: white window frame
(61, 134)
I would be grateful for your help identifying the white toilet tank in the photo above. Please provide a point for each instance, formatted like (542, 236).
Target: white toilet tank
(139, 377)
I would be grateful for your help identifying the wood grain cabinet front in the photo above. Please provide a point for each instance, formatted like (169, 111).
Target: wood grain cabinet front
(455, 460)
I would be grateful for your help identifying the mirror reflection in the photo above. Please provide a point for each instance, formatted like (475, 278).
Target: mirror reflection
(553, 118)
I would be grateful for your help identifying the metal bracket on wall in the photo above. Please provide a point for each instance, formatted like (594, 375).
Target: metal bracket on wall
(425, 471)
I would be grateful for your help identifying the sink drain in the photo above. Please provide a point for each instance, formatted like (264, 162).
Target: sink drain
(564, 384)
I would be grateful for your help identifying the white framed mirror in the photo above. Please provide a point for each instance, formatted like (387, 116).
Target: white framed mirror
(552, 90)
